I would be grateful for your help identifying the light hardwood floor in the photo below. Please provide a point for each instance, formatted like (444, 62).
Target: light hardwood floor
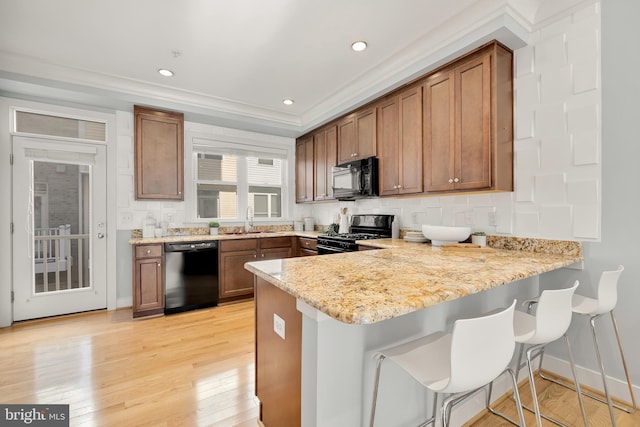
(188, 369)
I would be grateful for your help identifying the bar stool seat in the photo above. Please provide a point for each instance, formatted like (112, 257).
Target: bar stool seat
(475, 353)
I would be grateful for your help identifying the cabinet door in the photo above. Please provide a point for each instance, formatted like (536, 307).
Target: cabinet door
(388, 146)
(148, 287)
(439, 135)
(347, 139)
(304, 170)
(159, 154)
(325, 146)
(319, 166)
(307, 252)
(410, 141)
(366, 133)
(473, 114)
(234, 279)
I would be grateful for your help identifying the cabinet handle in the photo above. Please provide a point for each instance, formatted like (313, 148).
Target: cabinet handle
(456, 180)
(255, 256)
(450, 181)
(262, 255)
(158, 264)
(399, 186)
(148, 251)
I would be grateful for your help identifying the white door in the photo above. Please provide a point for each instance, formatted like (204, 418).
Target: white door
(59, 218)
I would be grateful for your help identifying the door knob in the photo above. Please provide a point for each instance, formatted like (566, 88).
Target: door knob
(100, 235)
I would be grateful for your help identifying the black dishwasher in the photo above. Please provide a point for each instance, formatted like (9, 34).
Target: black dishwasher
(191, 276)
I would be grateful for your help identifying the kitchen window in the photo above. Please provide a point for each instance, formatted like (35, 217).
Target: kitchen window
(229, 180)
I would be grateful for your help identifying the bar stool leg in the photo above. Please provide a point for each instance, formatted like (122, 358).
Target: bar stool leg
(608, 400)
(575, 381)
(532, 386)
(634, 405)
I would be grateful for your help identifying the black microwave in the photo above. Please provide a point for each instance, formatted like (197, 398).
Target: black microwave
(356, 180)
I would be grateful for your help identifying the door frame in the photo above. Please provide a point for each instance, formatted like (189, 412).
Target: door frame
(8, 106)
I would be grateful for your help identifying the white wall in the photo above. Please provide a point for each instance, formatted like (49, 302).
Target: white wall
(620, 201)
(557, 147)
(132, 212)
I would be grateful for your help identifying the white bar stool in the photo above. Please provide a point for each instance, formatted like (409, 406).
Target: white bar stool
(474, 354)
(595, 308)
(550, 322)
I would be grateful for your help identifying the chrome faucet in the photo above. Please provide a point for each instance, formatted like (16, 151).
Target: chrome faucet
(248, 222)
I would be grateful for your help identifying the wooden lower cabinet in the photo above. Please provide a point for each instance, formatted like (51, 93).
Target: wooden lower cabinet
(235, 281)
(307, 246)
(278, 360)
(148, 280)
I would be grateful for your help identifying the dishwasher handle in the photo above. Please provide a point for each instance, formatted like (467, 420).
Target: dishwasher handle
(190, 246)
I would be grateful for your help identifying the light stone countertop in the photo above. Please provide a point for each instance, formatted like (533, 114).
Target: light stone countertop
(221, 236)
(375, 285)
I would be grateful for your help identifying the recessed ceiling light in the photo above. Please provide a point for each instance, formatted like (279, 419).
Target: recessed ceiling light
(359, 46)
(165, 72)
(288, 101)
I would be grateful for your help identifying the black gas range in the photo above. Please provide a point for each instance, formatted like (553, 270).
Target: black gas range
(363, 227)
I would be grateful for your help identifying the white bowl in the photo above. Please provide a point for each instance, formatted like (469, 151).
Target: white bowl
(441, 234)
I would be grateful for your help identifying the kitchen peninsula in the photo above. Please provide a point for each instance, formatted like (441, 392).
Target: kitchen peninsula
(319, 319)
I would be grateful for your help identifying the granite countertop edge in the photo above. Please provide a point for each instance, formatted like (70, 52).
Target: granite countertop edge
(372, 286)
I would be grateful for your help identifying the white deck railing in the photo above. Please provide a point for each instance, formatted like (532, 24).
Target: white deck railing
(49, 252)
(53, 255)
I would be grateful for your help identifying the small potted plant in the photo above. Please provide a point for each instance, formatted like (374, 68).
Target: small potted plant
(479, 238)
(213, 227)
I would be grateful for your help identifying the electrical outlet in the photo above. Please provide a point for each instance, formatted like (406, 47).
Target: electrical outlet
(126, 217)
(278, 325)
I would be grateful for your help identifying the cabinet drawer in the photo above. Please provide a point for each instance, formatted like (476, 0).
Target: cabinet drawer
(308, 243)
(148, 251)
(275, 242)
(238, 245)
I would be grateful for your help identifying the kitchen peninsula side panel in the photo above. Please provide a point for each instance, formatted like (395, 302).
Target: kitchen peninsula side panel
(278, 360)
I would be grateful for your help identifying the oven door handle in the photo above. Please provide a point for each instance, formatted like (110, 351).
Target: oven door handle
(326, 250)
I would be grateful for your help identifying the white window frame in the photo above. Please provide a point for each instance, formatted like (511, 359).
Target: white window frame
(258, 145)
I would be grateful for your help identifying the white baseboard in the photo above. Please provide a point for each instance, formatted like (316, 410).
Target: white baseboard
(587, 377)
(590, 378)
(123, 302)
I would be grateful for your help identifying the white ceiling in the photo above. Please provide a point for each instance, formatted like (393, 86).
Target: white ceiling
(236, 60)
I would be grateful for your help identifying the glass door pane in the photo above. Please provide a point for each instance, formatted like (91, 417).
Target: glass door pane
(60, 226)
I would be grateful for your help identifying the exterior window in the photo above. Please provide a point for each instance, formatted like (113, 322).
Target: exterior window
(217, 186)
(265, 187)
(228, 184)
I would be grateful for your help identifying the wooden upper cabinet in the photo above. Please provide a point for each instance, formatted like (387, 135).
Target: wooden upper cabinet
(439, 136)
(357, 135)
(304, 169)
(400, 143)
(159, 154)
(325, 146)
(468, 124)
